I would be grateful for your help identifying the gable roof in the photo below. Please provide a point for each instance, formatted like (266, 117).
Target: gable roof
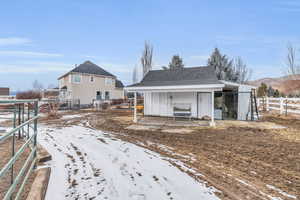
(185, 76)
(89, 68)
(119, 84)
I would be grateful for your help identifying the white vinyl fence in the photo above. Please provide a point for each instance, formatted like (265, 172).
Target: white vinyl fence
(281, 104)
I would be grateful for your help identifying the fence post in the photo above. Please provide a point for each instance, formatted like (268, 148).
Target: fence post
(286, 106)
(36, 111)
(267, 104)
(281, 105)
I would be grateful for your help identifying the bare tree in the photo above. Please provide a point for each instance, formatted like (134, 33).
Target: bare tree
(146, 58)
(242, 73)
(135, 75)
(293, 68)
(37, 86)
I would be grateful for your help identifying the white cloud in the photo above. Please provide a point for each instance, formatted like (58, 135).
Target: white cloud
(114, 67)
(14, 41)
(28, 54)
(89, 56)
(35, 67)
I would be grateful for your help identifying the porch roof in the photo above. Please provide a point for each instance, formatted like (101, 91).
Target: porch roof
(185, 76)
(177, 88)
(186, 79)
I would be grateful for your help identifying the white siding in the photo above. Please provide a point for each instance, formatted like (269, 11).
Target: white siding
(244, 102)
(161, 104)
(204, 104)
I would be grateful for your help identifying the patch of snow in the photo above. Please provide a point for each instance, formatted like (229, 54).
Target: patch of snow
(269, 196)
(281, 192)
(253, 172)
(247, 184)
(90, 164)
(6, 116)
(71, 116)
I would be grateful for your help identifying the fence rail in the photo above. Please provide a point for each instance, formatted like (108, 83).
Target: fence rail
(281, 104)
(25, 114)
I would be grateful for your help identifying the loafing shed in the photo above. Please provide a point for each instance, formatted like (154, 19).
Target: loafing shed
(193, 92)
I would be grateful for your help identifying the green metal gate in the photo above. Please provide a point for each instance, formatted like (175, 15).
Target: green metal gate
(24, 122)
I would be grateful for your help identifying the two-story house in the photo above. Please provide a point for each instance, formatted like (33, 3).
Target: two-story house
(88, 82)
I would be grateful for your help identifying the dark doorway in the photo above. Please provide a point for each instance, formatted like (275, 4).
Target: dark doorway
(226, 103)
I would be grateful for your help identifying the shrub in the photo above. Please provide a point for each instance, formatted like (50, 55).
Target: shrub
(104, 106)
(29, 95)
(117, 101)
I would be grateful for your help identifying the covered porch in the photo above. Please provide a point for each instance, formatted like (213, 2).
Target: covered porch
(172, 102)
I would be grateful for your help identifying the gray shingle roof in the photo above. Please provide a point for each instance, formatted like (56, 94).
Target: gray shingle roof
(185, 76)
(119, 84)
(90, 68)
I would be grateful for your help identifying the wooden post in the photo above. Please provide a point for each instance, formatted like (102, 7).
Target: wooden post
(212, 122)
(286, 106)
(281, 105)
(267, 104)
(135, 109)
(251, 106)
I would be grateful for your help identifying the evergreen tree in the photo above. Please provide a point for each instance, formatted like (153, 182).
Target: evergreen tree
(223, 66)
(270, 92)
(276, 93)
(262, 90)
(176, 63)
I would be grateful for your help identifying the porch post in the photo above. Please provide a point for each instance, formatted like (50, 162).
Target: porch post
(135, 110)
(212, 122)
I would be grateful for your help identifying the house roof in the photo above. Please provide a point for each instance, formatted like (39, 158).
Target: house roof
(89, 68)
(4, 91)
(185, 76)
(119, 84)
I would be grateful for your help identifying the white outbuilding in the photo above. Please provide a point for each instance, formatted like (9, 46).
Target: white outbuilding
(193, 92)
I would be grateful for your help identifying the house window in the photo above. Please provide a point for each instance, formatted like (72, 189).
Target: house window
(108, 81)
(98, 95)
(76, 78)
(106, 95)
(92, 79)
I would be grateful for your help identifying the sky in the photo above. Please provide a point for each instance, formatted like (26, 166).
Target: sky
(41, 40)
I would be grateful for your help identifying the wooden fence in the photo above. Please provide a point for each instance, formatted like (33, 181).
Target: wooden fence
(282, 105)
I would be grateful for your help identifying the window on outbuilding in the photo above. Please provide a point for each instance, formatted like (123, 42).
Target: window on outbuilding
(92, 79)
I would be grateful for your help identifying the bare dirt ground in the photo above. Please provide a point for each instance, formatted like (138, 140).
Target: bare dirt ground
(242, 162)
(5, 155)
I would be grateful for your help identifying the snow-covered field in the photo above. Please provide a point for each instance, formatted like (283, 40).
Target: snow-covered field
(90, 164)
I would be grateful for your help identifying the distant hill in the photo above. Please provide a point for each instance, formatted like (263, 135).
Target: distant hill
(285, 84)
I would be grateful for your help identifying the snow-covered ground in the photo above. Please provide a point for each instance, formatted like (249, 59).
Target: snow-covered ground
(6, 117)
(90, 164)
